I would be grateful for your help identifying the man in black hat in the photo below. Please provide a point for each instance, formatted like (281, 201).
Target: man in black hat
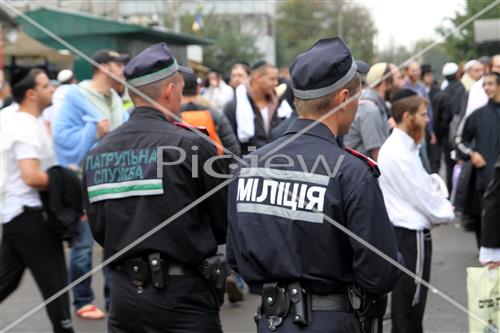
(441, 117)
(141, 174)
(285, 208)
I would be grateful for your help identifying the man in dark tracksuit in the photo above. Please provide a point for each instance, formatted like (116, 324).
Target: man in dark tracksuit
(140, 175)
(479, 142)
(490, 228)
(283, 205)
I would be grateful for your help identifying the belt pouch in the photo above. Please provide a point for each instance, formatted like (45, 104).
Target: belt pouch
(158, 269)
(301, 301)
(275, 304)
(137, 271)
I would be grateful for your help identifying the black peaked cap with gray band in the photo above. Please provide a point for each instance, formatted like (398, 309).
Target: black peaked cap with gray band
(153, 64)
(327, 66)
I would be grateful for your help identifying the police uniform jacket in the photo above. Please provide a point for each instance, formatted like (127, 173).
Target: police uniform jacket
(126, 196)
(277, 230)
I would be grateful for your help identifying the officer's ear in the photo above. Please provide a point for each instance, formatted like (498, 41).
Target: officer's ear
(167, 90)
(342, 96)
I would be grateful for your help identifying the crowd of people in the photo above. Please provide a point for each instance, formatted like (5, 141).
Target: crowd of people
(105, 130)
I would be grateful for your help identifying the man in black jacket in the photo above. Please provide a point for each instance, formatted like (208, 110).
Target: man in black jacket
(140, 175)
(286, 245)
(480, 141)
(490, 229)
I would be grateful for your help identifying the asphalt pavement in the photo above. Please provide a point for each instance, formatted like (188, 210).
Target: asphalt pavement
(454, 251)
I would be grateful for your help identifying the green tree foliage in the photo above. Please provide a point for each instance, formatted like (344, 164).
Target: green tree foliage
(230, 44)
(460, 45)
(435, 56)
(394, 54)
(301, 23)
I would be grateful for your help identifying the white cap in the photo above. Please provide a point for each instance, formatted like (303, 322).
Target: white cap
(376, 73)
(468, 65)
(64, 75)
(450, 68)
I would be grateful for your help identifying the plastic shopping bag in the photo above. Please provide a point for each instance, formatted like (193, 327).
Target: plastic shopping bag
(483, 293)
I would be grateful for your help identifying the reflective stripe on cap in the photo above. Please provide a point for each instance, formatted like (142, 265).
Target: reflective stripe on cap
(316, 93)
(155, 76)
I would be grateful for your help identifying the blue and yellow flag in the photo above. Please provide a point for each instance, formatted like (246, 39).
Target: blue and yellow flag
(197, 24)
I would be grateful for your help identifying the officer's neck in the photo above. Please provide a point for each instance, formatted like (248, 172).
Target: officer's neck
(332, 124)
(165, 110)
(189, 99)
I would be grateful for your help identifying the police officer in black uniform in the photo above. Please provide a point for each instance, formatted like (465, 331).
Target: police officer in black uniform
(281, 238)
(141, 174)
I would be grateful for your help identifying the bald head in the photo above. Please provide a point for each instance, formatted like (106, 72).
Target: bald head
(413, 71)
(474, 69)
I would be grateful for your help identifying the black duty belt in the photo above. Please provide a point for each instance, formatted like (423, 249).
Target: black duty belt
(280, 300)
(331, 302)
(152, 268)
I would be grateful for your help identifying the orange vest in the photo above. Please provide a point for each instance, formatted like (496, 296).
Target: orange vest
(203, 118)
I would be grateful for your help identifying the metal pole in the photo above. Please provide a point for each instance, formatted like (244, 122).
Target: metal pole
(174, 7)
(340, 25)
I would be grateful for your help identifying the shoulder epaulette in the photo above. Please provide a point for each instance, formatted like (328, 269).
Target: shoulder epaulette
(202, 129)
(371, 163)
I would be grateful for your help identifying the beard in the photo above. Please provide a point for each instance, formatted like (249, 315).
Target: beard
(416, 131)
(390, 92)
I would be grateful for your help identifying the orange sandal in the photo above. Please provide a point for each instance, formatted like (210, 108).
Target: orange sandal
(90, 312)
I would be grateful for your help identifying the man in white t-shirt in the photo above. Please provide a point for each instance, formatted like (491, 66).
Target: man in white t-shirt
(27, 241)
